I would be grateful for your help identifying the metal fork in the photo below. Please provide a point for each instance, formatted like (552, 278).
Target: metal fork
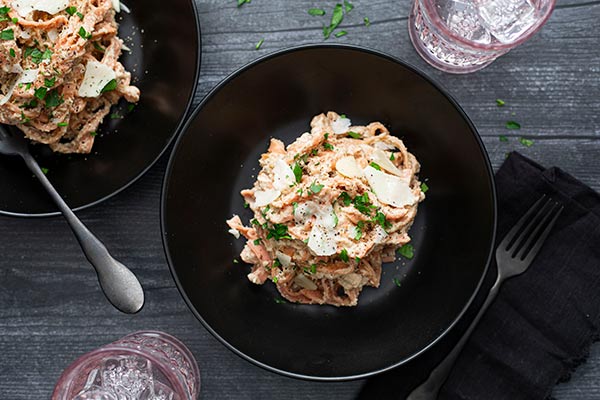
(513, 256)
(119, 284)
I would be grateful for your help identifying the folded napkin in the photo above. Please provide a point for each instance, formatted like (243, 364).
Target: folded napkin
(541, 325)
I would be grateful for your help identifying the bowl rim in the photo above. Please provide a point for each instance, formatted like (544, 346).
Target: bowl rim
(166, 181)
(181, 125)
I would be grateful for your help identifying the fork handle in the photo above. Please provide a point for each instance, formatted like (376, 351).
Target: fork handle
(429, 389)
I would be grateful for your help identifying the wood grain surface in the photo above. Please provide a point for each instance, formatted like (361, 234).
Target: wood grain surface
(51, 309)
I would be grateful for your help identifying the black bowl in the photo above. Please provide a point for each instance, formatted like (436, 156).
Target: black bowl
(217, 155)
(165, 64)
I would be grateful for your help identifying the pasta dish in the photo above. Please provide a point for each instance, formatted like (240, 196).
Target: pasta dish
(59, 69)
(328, 210)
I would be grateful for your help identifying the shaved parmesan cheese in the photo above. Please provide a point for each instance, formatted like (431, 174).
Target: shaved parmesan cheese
(384, 146)
(380, 234)
(322, 241)
(304, 211)
(17, 71)
(126, 9)
(53, 35)
(116, 5)
(389, 189)
(4, 99)
(383, 160)
(234, 232)
(302, 281)
(348, 166)
(326, 217)
(283, 175)
(29, 76)
(24, 7)
(284, 259)
(265, 197)
(97, 75)
(341, 125)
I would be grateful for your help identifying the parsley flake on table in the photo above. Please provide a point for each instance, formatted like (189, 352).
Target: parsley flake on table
(340, 34)
(242, 2)
(316, 12)
(367, 21)
(513, 125)
(526, 142)
(7, 34)
(344, 255)
(500, 103)
(336, 19)
(502, 138)
(259, 44)
(407, 251)
(348, 6)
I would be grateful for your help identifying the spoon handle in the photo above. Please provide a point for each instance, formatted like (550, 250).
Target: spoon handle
(119, 284)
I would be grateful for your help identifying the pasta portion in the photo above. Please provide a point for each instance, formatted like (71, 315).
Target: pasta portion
(60, 71)
(328, 210)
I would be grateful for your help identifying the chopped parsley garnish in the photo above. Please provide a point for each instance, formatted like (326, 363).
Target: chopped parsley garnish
(357, 259)
(49, 82)
(84, 34)
(345, 198)
(297, 172)
(36, 55)
(4, 10)
(354, 135)
(254, 221)
(274, 279)
(53, 99)
(397, 282)
(260, 42)
(15, 20)
(130, 107)
(375, 165)
(349, 6)
(62, 124)
(242, 2)
(12, 53)
(276, 299)
(110, 86)
(407, 251)
(80, 15)
(98, 47)
(24, 119)
(257, 241)
(40, 93)
(513, 125)
(502, 138)
(344, 255)
(392, 157)
(31, 104)
(246, 205)
(314, 152)
(379, 218)
(526, 142)
(71, 10)
(315, 187)
(295, 206)
(326, 136)
(235, 261)
(335, 219)
(311, 270)
(93, 134)
(115, 115)
(328, 146)
(315, 12)
(299, 191)
(336, 19)
(500, 103)
(276, 263)
(340, 34)
(367, 21)
(358, 229)
(45, 170)
(7, 34)
(424, 187)
(278, 232)
(363, 204)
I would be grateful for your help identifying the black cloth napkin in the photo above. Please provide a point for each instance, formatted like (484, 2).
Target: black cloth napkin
(543, 322)
(541, 325)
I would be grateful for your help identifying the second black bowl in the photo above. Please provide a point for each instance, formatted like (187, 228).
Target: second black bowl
(418, 300)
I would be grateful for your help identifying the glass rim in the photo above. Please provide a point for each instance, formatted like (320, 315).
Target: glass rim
(440, 25)
(67, 376)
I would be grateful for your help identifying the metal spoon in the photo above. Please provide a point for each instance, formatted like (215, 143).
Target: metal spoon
(119, 284)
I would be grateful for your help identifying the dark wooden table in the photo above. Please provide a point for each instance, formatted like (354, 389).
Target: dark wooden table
(51, 309)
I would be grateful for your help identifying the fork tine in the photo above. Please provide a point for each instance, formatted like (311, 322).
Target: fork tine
(516, 245)
(538, 245)
(527, 237)
(513, 232)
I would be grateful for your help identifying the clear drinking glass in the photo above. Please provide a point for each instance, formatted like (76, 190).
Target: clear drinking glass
(145, 365)
(461, 36)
